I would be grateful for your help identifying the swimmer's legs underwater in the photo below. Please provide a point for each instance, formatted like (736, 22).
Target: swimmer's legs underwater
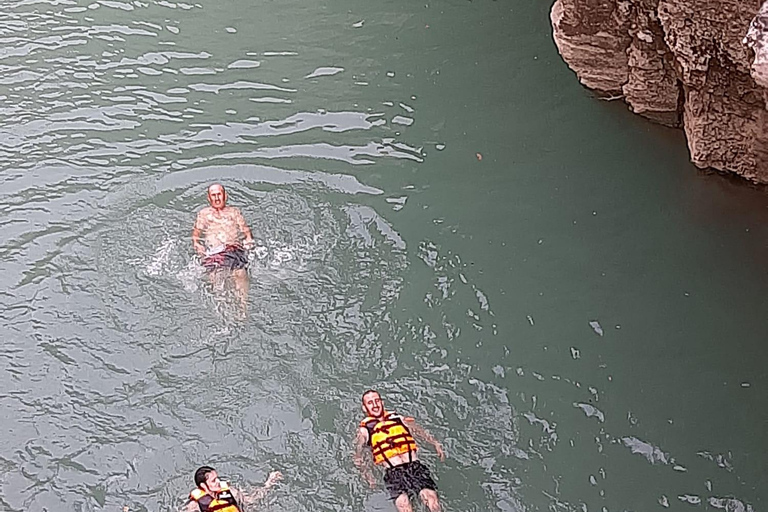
(219, 279)
(242, 283)
(430, 499)
(403, 503)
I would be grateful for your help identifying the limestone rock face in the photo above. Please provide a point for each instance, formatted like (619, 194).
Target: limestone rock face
(699, 64)
(593, 39)
(757, 40)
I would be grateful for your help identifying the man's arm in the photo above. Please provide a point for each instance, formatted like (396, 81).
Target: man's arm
(359, 457)
(199, 226)
(241, 498)
(420, 433)
(260, 492)
(190, 506)
(243, 227)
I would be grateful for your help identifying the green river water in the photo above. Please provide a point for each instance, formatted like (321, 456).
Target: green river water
(442, 212)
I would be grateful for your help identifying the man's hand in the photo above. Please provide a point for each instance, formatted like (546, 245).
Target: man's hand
(439, 450)
(262, 491)
(273, 478)
(190, 506)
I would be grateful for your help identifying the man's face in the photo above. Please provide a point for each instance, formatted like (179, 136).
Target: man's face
(217, 197)
(212, 482)
(372, 405)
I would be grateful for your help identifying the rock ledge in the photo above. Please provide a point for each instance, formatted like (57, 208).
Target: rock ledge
(697, 64)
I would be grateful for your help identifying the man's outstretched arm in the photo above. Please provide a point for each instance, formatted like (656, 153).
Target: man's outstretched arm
(421, 433)
(260, 492)
(359, 457)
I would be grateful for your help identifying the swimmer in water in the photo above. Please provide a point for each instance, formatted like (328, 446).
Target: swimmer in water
(389, 437)
(221, 238)
(214, 495)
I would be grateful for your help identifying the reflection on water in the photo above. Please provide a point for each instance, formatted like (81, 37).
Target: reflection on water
(124, 371)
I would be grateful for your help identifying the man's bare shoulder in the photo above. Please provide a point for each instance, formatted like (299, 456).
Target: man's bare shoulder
(203, 218)
(205, 212)
(232, 211)
(362, 435)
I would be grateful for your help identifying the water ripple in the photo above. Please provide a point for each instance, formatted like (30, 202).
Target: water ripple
(125, 369)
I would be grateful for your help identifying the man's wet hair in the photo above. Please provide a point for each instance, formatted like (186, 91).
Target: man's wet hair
(201, 474)
(216, 185)
(362, 398)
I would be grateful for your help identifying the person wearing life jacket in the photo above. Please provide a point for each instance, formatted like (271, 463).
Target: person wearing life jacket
(214, 495)
(389, 438)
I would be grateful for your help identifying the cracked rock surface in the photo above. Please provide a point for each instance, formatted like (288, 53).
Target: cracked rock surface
(697, 64)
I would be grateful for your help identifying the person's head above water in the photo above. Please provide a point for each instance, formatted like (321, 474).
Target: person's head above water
(207, 479)
(217, 196)
(372, 404)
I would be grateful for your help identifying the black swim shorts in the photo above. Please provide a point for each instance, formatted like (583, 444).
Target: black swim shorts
(233, 257)
(409, 478)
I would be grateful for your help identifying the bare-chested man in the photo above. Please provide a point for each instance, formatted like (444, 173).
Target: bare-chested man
(225, 238)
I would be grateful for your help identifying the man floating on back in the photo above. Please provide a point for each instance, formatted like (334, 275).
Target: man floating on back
(389, 437)
(225, 238)
(214, 495)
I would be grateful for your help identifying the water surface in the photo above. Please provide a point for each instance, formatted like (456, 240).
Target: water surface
(541, 279)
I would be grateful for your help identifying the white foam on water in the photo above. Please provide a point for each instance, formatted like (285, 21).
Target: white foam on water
(161, 259)
(190, 276)
(653, 453)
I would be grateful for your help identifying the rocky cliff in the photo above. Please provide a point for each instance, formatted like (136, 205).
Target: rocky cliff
(698, 64)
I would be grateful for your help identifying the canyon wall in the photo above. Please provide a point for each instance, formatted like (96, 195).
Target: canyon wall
(701, 65)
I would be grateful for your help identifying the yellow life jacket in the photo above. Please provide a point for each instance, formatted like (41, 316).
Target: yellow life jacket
(224, 502)
(388, 437)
